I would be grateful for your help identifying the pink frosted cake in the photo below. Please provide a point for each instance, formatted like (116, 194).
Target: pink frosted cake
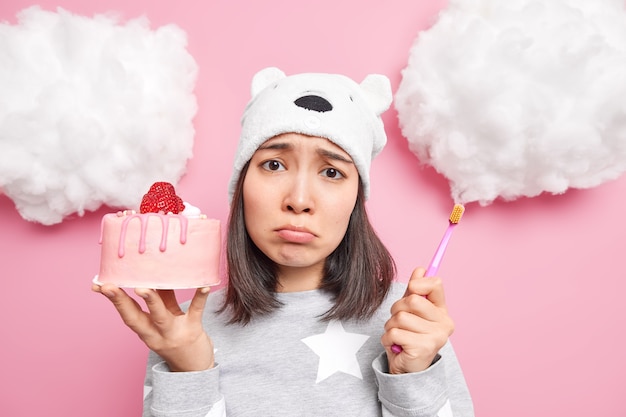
(151, 249)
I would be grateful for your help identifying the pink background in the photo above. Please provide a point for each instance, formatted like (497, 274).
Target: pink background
(536, 286)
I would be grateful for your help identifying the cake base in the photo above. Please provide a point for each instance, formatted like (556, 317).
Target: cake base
(96, 281)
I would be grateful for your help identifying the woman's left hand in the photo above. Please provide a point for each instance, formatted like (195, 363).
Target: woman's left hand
(419, 323)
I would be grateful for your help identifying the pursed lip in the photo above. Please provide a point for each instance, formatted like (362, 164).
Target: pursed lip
(295, 234)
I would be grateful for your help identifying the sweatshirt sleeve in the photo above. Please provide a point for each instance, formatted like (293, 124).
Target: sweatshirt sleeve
(439, 391)
(181, 394)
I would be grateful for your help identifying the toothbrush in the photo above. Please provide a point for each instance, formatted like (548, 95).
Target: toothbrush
(454, 219)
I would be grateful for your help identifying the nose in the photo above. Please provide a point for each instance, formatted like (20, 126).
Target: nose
(299, 197)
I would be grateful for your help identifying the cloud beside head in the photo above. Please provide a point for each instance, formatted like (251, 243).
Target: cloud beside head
(516, 98)
(92, 111)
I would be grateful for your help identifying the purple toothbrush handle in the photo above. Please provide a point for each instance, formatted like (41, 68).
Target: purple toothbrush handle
(433, 268)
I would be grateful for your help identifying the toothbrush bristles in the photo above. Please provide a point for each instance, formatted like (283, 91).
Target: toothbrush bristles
(456, 214)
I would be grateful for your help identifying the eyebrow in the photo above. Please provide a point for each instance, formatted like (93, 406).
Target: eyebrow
(322, 152)
(334, 155)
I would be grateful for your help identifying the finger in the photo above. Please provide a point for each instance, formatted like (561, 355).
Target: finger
(419, 334)
(428, 287)
(129, 310)
(417, 274)
(159, 313)
(436, 293)
(108, 290)
(196, 307)
(409, 341)
(410, 322)
(170, 302)
(417, 350)
(396, 337)
(418, 306)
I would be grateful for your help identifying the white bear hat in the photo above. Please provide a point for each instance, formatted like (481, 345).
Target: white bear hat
(330, 106)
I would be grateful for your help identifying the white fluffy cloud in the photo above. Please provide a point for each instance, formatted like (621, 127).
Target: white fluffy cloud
(92, 111)
(518, 97)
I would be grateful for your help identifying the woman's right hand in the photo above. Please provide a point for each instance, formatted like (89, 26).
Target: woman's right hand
(176, 336)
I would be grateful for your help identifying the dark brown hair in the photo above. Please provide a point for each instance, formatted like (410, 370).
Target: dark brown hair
(358, 273)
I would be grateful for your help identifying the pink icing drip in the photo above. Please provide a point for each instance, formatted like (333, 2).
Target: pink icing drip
(143, 218)
(183, 229)
(101, 230)
(165, 223)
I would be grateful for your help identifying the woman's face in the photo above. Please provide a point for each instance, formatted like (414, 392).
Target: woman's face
(298, 195)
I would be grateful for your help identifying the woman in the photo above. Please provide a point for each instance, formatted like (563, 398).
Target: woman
(308, 319)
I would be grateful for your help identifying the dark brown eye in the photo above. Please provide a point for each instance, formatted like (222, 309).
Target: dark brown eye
(332, 173)
(273, 165)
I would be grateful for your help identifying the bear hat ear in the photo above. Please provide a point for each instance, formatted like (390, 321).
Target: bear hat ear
(377, 91)
(265, 77)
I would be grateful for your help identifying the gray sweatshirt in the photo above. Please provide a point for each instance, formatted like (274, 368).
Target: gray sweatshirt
(290, 363)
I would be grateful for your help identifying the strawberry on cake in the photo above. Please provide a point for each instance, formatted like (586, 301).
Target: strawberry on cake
(169, 244)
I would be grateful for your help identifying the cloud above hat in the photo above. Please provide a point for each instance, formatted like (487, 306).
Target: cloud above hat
(92, 111)
(512, 99)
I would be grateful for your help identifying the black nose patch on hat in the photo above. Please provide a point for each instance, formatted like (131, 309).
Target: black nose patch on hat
(315, 103)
